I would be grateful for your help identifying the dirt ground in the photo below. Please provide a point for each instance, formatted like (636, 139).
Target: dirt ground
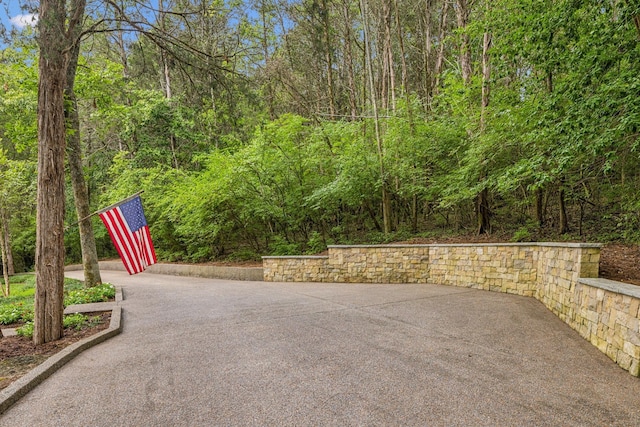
(18, 355)
(621, 263)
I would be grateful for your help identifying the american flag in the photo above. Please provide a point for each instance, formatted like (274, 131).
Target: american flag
(129, 233)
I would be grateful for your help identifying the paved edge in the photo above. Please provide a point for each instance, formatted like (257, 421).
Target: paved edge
(24, 385)
(254, 274)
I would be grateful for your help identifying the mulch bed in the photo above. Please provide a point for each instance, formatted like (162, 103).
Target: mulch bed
(18, 355)
(620, 262)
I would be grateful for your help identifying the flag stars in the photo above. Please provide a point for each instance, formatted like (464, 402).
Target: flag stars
(133, 214)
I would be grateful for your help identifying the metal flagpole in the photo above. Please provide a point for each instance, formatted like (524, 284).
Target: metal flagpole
(98, 212)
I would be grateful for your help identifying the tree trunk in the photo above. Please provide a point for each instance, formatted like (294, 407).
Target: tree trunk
(6, 242)
(167, 82)
(483, 213)
(483, 210)
(540, 207)
(414, 214)
(486, 79)
(441, 36)
(6, 290)
(388, 52)
(122, 50)
(267, 61)
(80, 193)
(328, 57)
(54, 48)
(426, 54)
(564, 221)
(386, 202)
(349, 59)
(462, 16)
(403, 60)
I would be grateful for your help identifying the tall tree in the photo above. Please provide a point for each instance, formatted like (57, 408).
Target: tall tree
(349, 59)
(74, 157)
(463, 10)
(5, 248)
(483, 211)
(56, 25)
(386, 198)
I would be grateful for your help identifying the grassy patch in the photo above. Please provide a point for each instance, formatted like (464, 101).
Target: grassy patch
(18, 308)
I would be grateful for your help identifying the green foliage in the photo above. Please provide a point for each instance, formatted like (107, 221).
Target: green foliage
(18, 307)
(316, 243)
(26, 281)
(524, 234)
(15, 312)
(243, 159)
(25, 330)
(99, 293)
(281, 247)
(77, 321)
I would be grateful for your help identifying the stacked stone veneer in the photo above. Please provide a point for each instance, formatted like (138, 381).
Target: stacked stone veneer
(563, 276)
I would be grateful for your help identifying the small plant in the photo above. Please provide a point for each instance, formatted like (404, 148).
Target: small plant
(76, 321)
(26, 330)
(521, 235)
(526, 233)
(100, 293)
(73, 284)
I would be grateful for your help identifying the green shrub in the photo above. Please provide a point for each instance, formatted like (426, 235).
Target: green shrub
(280, 247)
(17, 312)
(316, 243)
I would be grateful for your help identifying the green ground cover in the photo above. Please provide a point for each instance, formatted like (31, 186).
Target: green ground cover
(18, 307)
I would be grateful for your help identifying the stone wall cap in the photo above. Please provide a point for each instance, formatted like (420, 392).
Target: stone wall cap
(453, 245)
(570, 245)
(389, 245)
(296, 257)
(613, 286)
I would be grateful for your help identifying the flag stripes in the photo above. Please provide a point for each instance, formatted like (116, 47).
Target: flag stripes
(133, 245)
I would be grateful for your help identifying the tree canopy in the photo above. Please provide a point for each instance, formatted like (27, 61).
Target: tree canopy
(275, 127)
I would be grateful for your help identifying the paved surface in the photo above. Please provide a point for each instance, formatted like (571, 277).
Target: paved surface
(203, 352)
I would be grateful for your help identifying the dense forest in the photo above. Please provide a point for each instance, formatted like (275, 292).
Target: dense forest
(280, 126)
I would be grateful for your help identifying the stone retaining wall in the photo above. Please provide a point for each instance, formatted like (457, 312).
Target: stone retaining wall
(296, 269)
(605, 313)
(503, 268)
(563, 276)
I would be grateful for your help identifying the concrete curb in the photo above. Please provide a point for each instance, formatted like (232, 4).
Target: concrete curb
(254, 274)
(22, 386)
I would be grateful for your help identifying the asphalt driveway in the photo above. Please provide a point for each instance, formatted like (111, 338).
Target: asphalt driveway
(202, 352)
